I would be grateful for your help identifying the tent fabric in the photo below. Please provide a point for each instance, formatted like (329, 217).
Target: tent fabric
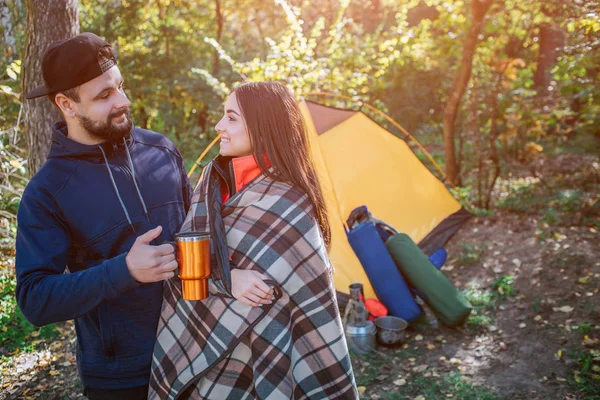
(326, 118)
(444, 231)
(361, 163)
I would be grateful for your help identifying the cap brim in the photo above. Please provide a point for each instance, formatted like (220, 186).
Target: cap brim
(37, 92)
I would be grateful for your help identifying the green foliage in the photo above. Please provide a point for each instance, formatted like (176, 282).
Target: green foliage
(341, 60)
(477, 321)
(504, 286)
(369, 368)
(179, 63)
(478, 298)
(584, 328)
(15, 331)
(12, 160)
(454, 384)
(13, 173)
(554, 199)
(483, 303)
(469, 254)
(585, 377)
(520, 195)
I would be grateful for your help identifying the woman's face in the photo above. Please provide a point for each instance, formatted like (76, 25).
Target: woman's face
(235, 140)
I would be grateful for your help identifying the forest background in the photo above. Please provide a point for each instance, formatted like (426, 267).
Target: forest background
(504, 94)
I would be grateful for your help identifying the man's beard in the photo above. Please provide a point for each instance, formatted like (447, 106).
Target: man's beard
(106, 130)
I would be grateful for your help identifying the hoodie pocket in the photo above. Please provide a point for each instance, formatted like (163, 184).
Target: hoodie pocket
(106, 332)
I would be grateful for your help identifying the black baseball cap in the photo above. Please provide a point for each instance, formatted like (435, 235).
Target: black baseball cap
(72, 62)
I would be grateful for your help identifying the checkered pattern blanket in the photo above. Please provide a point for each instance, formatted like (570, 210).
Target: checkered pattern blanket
(297, 350)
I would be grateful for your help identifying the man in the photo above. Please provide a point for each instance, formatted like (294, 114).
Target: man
(99, 207)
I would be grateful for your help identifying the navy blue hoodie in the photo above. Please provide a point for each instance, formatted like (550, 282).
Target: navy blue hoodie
(81, 213)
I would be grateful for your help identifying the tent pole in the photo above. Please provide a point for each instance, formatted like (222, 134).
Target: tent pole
(197, 163)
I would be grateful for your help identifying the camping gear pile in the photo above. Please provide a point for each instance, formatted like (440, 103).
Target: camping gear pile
(403, 277)
(360, 330)
(390, 330)
(361, 163)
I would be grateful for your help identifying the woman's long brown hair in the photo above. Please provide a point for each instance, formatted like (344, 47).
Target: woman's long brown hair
(277, 129)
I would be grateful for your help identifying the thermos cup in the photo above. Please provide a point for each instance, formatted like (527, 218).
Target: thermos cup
(193, 257)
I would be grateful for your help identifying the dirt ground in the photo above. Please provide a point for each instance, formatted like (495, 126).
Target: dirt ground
(515, 355)
(534, 333)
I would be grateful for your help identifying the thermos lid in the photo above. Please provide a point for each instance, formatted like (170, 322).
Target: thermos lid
(191, 236)
(360, 329)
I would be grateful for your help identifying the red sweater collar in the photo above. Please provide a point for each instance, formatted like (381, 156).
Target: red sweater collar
(245, 169)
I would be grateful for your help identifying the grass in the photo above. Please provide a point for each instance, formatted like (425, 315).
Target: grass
(521, 195)
(369, 366)
(568, 259)
(585, 378)
(483, 303)
(16, 333)
(468, 254)
(536, 305)
(453, 384)
(577, 144)
(583, 328)
(554, 200)
(503, 287)
(477, 321)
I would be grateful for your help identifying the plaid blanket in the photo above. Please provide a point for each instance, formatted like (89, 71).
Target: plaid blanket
(297, 349)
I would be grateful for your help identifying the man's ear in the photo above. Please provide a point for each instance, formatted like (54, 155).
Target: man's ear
(66, 105)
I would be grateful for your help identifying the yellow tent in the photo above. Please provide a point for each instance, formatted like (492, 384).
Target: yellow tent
(361, 163)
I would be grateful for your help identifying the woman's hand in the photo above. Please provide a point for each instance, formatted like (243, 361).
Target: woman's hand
(248, 286)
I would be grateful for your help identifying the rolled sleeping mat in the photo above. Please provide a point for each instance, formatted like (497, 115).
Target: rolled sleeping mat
(382, 272)
(447, 302)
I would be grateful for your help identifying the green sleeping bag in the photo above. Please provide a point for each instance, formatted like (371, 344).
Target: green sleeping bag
(448, 303)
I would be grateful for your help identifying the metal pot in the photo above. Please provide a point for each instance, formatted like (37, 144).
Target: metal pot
(361, 337)
(390, 330)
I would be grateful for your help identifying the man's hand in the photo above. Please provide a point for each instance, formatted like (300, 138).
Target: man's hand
(248, 286)
(147, 263)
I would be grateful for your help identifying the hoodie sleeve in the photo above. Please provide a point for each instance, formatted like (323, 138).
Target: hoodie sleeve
(45, 294)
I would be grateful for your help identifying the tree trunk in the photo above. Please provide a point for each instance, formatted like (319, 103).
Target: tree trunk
(479, 9)
(9, 38)
(219, 17)
(47, 22)
(551, 40)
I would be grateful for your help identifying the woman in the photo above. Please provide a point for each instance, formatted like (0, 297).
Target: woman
(262, 203)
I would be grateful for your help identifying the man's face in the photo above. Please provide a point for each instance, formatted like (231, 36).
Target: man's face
(103, 109)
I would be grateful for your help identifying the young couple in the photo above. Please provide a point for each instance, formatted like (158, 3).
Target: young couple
(109, 197)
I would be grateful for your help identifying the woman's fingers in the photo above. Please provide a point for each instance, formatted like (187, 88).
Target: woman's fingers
(262, 286)
(259, 299)
(248, 286)
(249, 302)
